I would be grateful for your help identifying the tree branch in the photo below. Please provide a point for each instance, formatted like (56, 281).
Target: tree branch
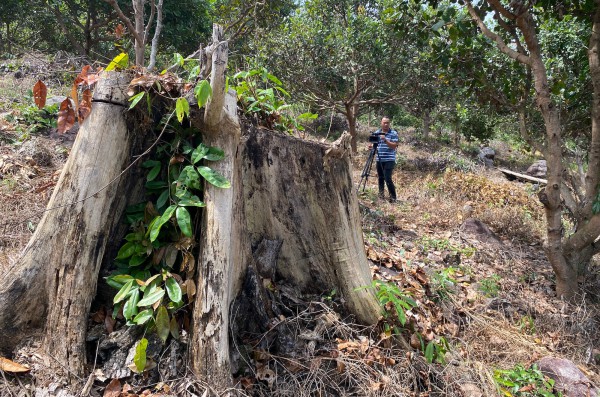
(502, 46)
(150, 20)
(125, 20)
(159, 20)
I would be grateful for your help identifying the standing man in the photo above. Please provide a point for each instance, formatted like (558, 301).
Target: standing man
(386, 157)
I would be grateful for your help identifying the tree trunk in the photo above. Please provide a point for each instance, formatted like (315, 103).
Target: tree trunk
(55, 280)
(426, 123)
(351, 110)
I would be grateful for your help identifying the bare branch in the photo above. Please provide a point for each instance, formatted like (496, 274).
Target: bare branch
(125, 20)
(159, 20)
(502, 10)
(214, 107)
(150, 20)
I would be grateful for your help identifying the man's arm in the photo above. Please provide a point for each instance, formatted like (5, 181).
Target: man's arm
(392, 142)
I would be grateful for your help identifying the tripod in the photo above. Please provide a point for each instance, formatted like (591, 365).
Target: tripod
(366, 172)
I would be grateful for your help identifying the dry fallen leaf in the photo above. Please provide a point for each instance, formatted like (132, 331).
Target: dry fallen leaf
(113, 389)
(11, 366)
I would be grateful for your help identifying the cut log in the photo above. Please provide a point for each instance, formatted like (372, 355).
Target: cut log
(513, 174)
(61, 263)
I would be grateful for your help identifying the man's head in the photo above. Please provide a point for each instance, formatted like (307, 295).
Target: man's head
(385, 124)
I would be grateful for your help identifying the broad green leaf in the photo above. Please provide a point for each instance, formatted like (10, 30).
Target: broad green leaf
(202, 92)
(156, 185)
(151, 297)
(214, 177)
(164, 218)
(162, 199)
(153, 173)
(214, 154)
(135, 99)
(199, 153)
(123, 292)
(117, 281)
(194, 72)
(137, 260)
(130, 309)
(143, 316)
(162, 323)
(178, 59)
(174, 328)
(127, 250)
(429, 352)
(140, 355)
(189, 177)
(119, 62)
(193, 201)
(173, 289)
(182, 108)
(438, 25)
(184, 221)
(274, 79)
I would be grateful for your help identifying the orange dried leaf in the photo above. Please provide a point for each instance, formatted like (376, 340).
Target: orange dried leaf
(85, 106)
(82, 77)
(7, 365)
(40, 92)
(66, 116)
(119, 31)
(75, 96)
(113, 389)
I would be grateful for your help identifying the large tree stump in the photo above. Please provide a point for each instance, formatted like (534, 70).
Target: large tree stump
(55, 280)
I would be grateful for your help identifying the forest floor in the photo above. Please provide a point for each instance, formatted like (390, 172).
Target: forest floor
(483, 302)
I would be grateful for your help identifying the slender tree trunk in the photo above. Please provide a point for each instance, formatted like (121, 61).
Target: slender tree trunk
(351, 111)
(55, 280)
(426, 123)
(140, 45)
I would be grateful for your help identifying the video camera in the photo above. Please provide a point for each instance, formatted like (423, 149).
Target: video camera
(375, 137)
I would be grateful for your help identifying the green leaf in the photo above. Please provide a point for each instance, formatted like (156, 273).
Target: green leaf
(162, 199)
(140, 355)
(130, 309)
(137, 260)
(194, 72)
(183, 220)
(119, 62)
(199, 153)
(153, 173)
(173, 289)
(189, 177)
(182, 108)
(164, 218)
(127, 250)
(192, 201)
(202, 92)
(215, 154)
(135, 99)
(178, 59)
(123, 292)
(214, 177)
(429, 352)
(274, 79)
(118, 281)
(438, 25)
(162, 323)
(143, 316)
(151, 297)
(174, 328)
(150, 163)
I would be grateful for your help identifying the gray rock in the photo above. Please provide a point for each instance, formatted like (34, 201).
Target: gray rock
(38, 151)
(568, 378)
(539, 169)
(487, 156)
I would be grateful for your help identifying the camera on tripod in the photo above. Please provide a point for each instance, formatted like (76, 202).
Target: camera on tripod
(375, 137)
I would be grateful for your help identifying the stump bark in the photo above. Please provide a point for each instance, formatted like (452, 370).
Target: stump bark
(51, 288)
